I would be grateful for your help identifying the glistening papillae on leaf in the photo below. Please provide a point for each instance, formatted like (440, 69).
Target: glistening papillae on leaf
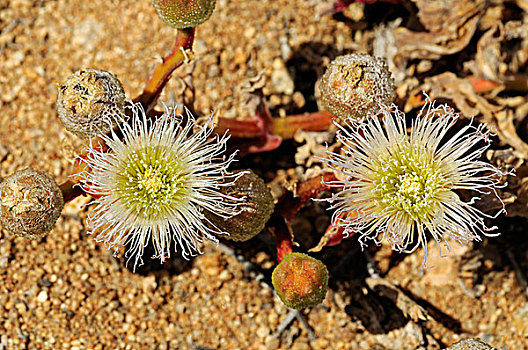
(356, 84)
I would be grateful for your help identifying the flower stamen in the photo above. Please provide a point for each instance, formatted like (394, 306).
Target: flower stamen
(404, 184)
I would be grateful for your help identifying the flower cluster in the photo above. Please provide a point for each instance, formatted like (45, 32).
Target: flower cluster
(402, 185)
(154, 183)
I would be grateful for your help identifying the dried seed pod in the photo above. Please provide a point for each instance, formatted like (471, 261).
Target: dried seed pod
(300, 281)
(470, 344)
(355, 84)
(183, 14)
(30, 203)
(91, 102)
(255, 212)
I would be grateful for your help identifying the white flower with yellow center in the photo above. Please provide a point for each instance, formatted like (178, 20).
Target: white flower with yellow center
(400, 185)
(154, 183)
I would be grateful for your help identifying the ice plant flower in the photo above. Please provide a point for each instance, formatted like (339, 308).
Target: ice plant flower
(154, 183)
(402, 184)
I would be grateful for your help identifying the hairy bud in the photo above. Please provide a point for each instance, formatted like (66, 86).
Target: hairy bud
(256, 210)
(30, 203)
(300, 281)
(91, 102)
(355, 84)
(183, 14)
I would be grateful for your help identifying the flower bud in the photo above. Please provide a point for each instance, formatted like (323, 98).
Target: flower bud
(183, 14)
(256, 210)
(30, 203)
(91, 102)
(355, 84)
(300, 281)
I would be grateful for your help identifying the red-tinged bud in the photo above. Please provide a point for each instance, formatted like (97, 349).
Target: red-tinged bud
(300, 281)
(183, 14)
(30, 203)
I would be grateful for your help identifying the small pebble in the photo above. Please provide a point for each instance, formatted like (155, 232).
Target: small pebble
(42, 296)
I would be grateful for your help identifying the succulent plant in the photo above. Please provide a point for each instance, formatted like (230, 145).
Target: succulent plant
(153, 185)
(401, 179)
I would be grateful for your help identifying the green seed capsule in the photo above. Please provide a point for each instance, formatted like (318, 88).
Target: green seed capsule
(183, 14)
(255, 213)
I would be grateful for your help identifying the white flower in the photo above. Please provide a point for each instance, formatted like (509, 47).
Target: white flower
(154, 183)
(400, 185)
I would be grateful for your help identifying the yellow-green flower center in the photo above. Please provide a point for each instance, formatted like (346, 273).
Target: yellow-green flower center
(152, 182)
(409, 183)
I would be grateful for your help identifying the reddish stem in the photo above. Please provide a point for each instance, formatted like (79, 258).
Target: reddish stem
(163, 72)
(284, 240)
(481, 85)
(289, 204)
(287, 127)
(69, 190)
(248, 128)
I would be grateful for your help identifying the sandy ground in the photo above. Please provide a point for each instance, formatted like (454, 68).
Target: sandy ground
(66, 292)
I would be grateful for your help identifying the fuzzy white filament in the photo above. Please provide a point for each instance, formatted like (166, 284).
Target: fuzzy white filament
(400, 186)
(154, 183)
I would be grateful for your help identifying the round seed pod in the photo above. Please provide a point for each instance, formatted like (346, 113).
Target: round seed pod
(470, 344)
(30, 203)
(91, 102)
(354, 85)
(183, 14)
(255, 212)
(300, 281)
